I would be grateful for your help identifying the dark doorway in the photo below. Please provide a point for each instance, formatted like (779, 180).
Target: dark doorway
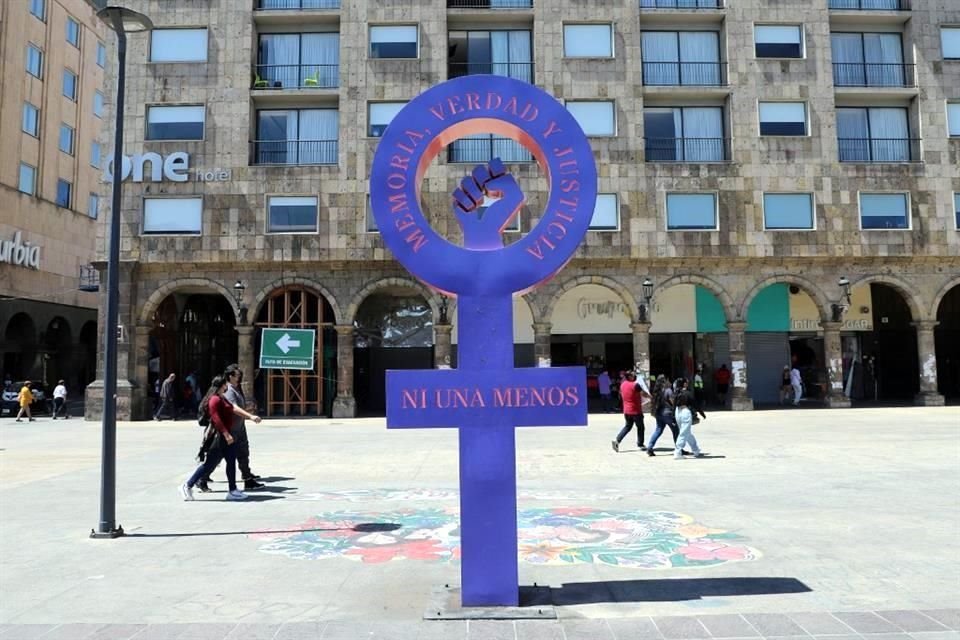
(20, 348)
(891, 365)
(58, 353)
(947, 335)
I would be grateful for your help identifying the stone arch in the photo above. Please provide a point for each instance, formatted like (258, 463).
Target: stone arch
(904, 289)
(383, 283)
(819, 297)
(944, 290)
(280, 283)
(726, 301)
(158, 296)
(603, 281)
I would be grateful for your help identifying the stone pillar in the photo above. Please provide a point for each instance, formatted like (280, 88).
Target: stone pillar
(927, 355)
(641, 348)
(344, 405)
(541, 343)
(833, 354)
(740, 399)
(246, 358)
(442, 334)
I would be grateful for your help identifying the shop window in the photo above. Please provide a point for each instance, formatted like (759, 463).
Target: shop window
(786, 211)
(70, 84)
(953, 119)
(34, 61)
(175, 123)
(778, 41)
(884, 211)
(595, 118)
(73, 32)
(31, 120)
(950, 41)
(606, 213)
(28, 179)
(588, 40)
(64, 193)
(379, 115)
(691, 211)
(292, 214)
(783, 119)
(178, 45)
(67, 136)
(172, 216)
(394, 41)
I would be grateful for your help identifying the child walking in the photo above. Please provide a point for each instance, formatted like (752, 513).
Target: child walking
(684, 415)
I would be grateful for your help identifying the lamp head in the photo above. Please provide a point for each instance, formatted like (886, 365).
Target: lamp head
(125, 20)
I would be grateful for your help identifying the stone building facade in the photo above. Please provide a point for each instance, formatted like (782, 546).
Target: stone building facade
(746, 273)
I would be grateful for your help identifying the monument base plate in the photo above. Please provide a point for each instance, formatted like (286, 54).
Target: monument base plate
(535, 604)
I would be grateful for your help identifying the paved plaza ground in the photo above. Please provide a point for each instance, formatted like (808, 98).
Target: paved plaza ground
(798, 523)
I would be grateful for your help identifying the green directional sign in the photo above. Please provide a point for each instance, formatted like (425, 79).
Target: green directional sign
(287, 348)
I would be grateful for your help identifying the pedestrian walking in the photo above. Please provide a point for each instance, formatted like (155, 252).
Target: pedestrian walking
(25, 398)
(234, 394)
(603, 386)
(786, 389)
(663, 403)
(722, 380)
(685, 417)
(631, 396)
(224, 446)
(695, 407)
(60, 400)
(698, 392)
(167, 395)
(797, 383)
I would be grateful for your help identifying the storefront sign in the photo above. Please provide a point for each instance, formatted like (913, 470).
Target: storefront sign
(287, 348)
(21, 254)
(175, 167)
(604, 308)
(811, 324)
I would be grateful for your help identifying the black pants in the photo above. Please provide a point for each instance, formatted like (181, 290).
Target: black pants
(220, 451)
(165, 404)
(631, 420)
(242, 449)
(58, 404)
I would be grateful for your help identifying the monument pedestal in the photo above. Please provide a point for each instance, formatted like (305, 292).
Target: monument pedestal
(535, 604)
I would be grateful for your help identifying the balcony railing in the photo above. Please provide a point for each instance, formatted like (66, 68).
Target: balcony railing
(294, 152)
(870, 5)
(519, 70)
(687, 149)
(297, 76)
(269, 5)
(89, 278)
(490, 4)
(681, 4)
(693, 74)
(873, 74)
(486, 149)
(871, 150)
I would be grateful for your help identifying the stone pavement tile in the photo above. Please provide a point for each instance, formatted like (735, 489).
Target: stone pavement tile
(300, 631)
(245, 631)
(680, 627)
(420, 630)
(728, 626)
(774, 624)
(207, 631)
(820, 624)
(865, 622)
(586, 629)
(634, 629)
(162, 631)
(118, 632)
(75, 631)
(949, 618)
(935, 635)
(911, 621)
(539, 630)
(24, 631)
(839, 637)
(491, 630)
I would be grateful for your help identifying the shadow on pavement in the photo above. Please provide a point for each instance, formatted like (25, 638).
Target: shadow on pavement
(363, 527)
(661, 590)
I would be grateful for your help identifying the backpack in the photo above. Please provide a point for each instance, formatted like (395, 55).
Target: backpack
(203, 413)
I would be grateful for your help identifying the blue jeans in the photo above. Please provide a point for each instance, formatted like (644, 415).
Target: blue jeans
(685, 423)
(226, 452)
(663, 421)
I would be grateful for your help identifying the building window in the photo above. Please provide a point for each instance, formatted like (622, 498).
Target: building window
(70, 84)
(606, 213)
(684, 134)
(98, 104)
(869, 60)
(379, 115)
(28, 179)
(175, 123)
(956, 209)
(178, 45)
(101, 55)
(783, 119)
(34, 61)
(595, 118)
(95, 154)
(953, 119)
(691, 211)
(371, 220)
(39, 9)
(172, 215)
(588, 40)
(93, 205)
(67, 136)
(297, 136)
(394, 41)
(884, 211)
(778, 41)
(950, 40)
(308, 60)
(73, 32)
(788, 211)
(875, 134)
(31, 120)
(64, 191)
(672, 58)
(499, 53)
(292, 214)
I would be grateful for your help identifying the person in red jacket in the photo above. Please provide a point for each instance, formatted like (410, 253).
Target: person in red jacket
(631, 395)
(221, 414)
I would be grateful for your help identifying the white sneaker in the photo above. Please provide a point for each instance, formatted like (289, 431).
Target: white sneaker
(186, 492)
(236, 494)
(676, 457)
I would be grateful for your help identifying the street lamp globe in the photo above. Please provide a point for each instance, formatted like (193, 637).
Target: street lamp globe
(121, 19)
(647, 289)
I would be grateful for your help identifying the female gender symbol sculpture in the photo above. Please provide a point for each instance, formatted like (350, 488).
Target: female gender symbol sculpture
(485, 397)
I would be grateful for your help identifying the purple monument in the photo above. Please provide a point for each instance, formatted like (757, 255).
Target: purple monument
(485, 397)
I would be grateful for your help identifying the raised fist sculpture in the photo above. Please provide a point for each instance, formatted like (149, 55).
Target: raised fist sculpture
(482, 229)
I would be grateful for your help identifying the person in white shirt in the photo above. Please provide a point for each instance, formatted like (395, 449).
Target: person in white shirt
(797, 383)
(60, 400)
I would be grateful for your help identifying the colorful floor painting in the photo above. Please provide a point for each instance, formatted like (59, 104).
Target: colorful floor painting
(547, 536)
(426, 495)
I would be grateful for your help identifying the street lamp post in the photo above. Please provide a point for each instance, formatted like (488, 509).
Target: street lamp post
(838, 309)
(644, 307)
(122, 21)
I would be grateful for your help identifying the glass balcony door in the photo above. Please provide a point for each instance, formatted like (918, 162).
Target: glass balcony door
(674, 58)
(501, 53)
(299, 60)
(868, 60)
(873, 134)
(684, 134)
(292, 136)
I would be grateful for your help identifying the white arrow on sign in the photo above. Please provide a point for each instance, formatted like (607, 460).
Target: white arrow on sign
(286, 343)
